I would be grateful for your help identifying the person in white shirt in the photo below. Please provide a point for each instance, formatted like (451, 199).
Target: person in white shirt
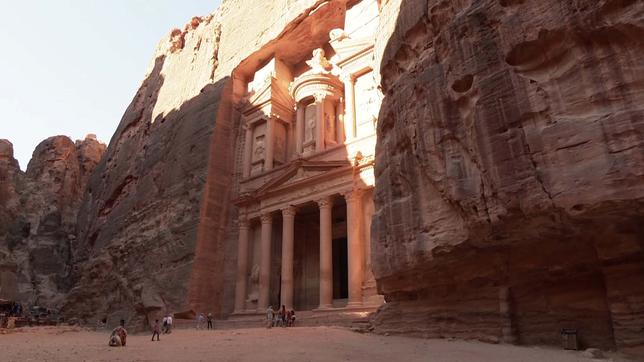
(169, 323)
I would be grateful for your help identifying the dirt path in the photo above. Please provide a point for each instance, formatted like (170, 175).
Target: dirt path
(278, 344)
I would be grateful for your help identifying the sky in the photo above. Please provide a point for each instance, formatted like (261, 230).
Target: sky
(71, 67)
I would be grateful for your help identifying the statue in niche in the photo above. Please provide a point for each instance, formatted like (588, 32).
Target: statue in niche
(329, 129)
(253, 294)
(259, 147)
(319, 64)
(310, 120)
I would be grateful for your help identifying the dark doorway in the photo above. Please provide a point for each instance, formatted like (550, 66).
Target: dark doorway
(340, 269)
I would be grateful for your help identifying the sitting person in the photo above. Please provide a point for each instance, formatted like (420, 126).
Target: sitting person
(119, 335)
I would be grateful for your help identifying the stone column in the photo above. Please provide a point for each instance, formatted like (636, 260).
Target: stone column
(319, 125)
(288, 229)
(248, 150)
(242, 266)
(299, 129)
(355, 246)
(326, 254)
(350, 107)
(265, 262)
(270, 144)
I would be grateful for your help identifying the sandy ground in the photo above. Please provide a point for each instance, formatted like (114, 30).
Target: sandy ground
(277, 344)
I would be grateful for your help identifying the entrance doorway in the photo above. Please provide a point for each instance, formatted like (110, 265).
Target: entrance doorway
(340, 269)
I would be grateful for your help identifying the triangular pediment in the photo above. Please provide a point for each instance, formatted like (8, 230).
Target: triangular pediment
(300, 172)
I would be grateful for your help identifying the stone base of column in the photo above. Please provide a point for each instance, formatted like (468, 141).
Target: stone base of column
(354, 304)
(324, 307)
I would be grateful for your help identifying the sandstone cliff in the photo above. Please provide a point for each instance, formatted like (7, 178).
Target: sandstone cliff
(38, 212)
(510, 169)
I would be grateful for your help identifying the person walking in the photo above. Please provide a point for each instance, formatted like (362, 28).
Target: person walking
(155, 330)
(169, 323)
(269, 316)
(165, 324)
(210, 326)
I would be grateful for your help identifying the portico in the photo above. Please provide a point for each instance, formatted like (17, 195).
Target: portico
(312, 224)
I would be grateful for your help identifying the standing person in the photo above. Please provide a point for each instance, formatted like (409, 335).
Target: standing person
(169, 323)
(283, 315)
(155, 330)
(210, 326)
(165, 324)
(269, 316)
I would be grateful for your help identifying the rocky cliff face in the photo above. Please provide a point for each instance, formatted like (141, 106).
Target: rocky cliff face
(509, 170)
(38, 212)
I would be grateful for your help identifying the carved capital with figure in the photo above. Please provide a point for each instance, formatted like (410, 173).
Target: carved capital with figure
(352, 196)
(243, 222)
(325, 202)
(289, 211)
(266, 218)
(319, 97)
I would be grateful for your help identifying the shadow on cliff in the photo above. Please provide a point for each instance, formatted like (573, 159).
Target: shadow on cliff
(140, 220)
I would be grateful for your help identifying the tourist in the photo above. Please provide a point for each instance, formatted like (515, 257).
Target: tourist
(169, 323)
(269, 316)
(201, 319)
(283, 315)
(292, 319)
(210, 326)
(165, 324)
(155, 330)
(119, 335)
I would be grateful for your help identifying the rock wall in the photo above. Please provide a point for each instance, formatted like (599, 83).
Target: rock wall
(38, 212)
(510, 168)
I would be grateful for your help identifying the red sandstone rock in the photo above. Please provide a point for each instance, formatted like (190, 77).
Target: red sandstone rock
(510, 170)
(38, 217)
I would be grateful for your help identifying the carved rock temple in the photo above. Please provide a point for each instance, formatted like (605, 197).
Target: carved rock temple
(470, 169)
(306, 187)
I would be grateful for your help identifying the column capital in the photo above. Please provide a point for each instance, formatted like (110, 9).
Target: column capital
(243, 222)
(266, 218)
(289, 210)
(347, 78)
(352, 195)
(319, 97)
(325, 202)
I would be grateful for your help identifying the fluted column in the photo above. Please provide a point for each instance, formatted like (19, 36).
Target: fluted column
(299, 129)
(355, 247)
(242, 266)
(319, 126)
(270, 144)
(288, 229)
(326, 254)
(265, 262)
(350, 107)
(248, 150)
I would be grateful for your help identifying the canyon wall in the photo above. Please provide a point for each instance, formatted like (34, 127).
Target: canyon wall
(510, 168)
(38, 210)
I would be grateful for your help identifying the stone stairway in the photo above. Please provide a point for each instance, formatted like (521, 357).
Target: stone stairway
(353, 318)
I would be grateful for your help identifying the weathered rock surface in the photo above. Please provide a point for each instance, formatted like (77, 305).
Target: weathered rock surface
(510, 169)
(38, 212)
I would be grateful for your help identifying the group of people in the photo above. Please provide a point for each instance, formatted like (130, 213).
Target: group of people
(280, 318)
(202, 319)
